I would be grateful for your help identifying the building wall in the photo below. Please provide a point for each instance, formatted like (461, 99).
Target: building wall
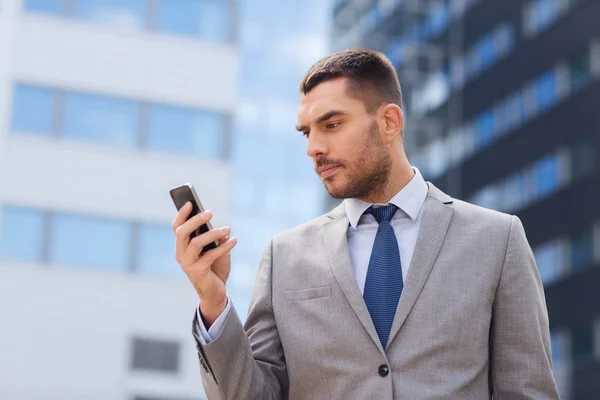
(67, 331)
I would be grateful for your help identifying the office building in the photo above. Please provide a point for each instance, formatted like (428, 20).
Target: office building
(105, 106)
(502, 110)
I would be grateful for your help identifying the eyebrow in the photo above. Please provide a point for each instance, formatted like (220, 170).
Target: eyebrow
(322, 118)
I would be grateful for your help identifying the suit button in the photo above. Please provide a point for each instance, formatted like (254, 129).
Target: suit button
(383, 371)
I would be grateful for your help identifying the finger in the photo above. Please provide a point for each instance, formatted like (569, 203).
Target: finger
(197, 244)
(212, 255)
(182, 216)
(183, 231)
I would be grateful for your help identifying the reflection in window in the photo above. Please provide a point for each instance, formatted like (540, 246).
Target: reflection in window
(156, 254)
(548, 258)
(510, 113)
(124, 13)
(541, 14)
(546, 90)
(86, 241)
(484, 129)
(186, 131)
(487, 197)
(101, 119)
(546, 173)
(44, 6)
(33, 110)
(514, 191)
(582, 249)
(207, 19)
(559, 347)
(21, 234)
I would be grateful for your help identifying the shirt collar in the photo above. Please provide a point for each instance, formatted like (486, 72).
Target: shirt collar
(409, 199)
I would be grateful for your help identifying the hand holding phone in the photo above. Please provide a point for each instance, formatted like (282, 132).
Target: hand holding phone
(186, 193)
(202, 252)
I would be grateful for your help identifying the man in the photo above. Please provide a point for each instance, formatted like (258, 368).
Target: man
(401, 292)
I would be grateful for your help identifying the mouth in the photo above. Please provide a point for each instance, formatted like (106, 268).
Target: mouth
(327, 170)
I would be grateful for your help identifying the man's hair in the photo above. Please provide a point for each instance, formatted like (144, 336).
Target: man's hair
(371, 77)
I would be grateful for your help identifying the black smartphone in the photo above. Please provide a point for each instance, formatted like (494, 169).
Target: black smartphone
(182, 195)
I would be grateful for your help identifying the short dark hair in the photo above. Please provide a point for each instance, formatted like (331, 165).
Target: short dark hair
(371, 76)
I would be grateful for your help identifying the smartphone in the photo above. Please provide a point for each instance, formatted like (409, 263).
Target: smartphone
(182, 195)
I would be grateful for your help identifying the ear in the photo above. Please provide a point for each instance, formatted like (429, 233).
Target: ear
(393, 122)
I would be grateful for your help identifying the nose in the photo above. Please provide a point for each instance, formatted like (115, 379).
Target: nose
(316, 146)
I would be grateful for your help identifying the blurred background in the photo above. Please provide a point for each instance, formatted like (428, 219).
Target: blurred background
(105, 105)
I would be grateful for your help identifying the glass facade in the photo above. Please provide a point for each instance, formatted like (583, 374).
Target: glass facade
(89, 242)
(33, 110)
(101, 119)
(119, 122)
(156, 249)
(185, 131)
(209, 20)
(510, 113)
(21, 234)
(122, 13)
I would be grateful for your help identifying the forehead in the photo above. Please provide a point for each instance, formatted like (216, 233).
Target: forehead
(326, 96)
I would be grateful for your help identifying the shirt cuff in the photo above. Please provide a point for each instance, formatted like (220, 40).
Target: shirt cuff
(207, 336)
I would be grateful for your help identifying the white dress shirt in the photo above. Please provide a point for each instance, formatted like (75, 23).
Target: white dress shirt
(361, 236)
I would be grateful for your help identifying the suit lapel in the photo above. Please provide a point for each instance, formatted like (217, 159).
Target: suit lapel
(335, 244)
(437, 215)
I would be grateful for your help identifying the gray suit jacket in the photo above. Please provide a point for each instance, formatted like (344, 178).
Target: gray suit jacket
(471, 322)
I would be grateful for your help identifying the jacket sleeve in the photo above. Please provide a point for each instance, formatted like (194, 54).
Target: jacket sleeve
(521, 362)
(246, 362)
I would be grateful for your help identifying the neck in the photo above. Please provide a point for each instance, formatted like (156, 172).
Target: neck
(400, 175)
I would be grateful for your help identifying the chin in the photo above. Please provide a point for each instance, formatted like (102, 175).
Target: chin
(335, 191)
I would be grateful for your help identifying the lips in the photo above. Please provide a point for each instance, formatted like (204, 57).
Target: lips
(327, 170)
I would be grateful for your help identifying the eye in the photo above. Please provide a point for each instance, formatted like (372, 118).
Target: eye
(305, 134)
(332, 125)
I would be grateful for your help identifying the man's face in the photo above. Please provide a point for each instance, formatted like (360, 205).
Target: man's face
(344, 141)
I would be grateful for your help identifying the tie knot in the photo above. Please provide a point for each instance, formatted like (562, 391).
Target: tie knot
(384, 213)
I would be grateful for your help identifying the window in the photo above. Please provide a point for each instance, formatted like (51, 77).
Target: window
(485, 54)
(33, 110)
(21, 234)
(560, 347)
(548, 258)
(207, 19)
(546, 90)
(546, 172)
(186, 131)
(484, 129)
(487, 197)
(540, 14)
(580, 71)
(514, 192)
(582, 159)
(582, 249)
(155, 355)
(156, 254)
(510, 113)
(505, 38)
(582, 343)
(437, 19)
(101, 119)
(124, 13)
(86, 241)
(44, 6)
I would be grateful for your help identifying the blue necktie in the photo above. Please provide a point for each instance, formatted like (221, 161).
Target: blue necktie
(383, 286)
